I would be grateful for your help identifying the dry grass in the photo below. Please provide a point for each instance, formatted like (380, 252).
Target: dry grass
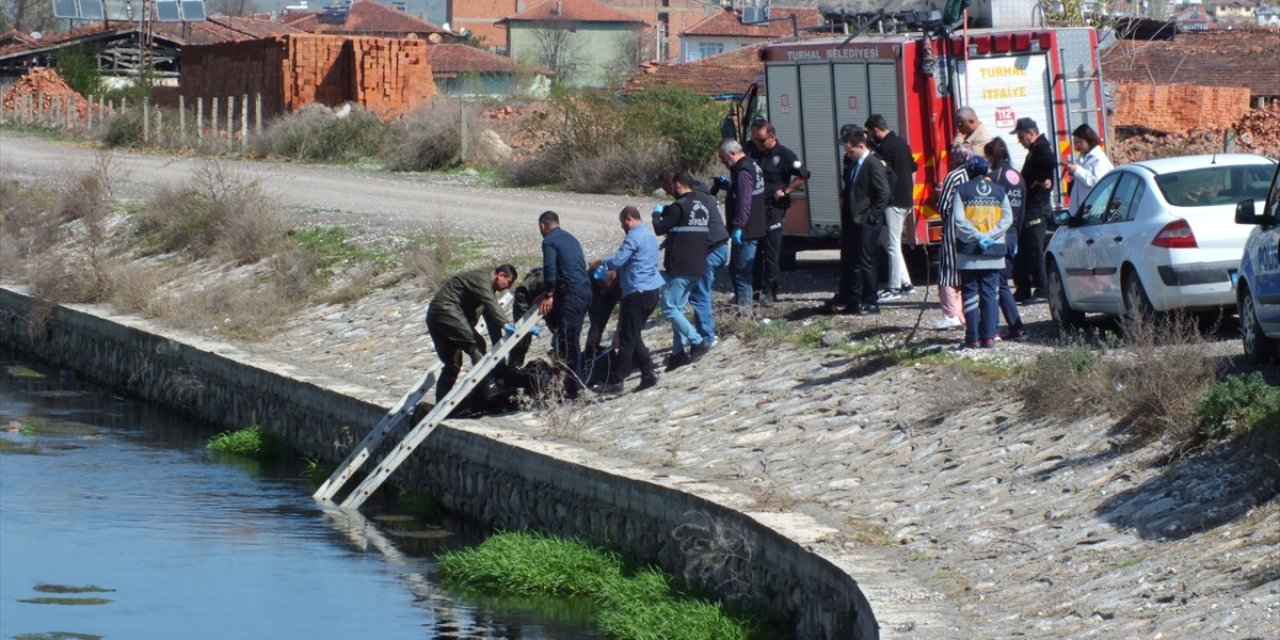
(429, 138)
(216, 214)
(628, 168)
(1151, 380)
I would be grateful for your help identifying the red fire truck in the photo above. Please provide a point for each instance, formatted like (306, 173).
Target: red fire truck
(810, 88)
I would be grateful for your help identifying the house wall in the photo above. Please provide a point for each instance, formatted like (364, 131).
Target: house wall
(596, 47)
(479, 17)
(385, 75)
(690, 48)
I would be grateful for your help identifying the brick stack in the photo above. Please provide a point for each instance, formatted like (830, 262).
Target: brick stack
(47, 87)
(391, 76)
(1178, 107)
(386, 75)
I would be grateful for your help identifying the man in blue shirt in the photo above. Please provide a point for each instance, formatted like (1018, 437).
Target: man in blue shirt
(568, 294)
(636, 262)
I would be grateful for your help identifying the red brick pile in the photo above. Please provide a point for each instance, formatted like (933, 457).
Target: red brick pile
(1173, 108)
(47, 92)
(1257, 131)
(389, 76)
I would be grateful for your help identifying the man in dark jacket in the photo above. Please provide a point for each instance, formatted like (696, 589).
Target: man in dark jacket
(745, 212)
(568, 294)
(1039, 170)
(717, 258)
(686, 223)
(897, 156)
(863, 201)
(453, 313)
(783, 173)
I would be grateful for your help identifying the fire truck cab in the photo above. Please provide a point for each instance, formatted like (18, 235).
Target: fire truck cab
(810, 88)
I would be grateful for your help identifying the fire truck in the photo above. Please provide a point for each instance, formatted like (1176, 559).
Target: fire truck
(811, 88)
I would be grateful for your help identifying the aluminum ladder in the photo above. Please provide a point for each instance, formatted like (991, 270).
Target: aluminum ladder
(464, 386)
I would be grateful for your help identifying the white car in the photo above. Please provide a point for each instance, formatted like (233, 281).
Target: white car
(1155, 236)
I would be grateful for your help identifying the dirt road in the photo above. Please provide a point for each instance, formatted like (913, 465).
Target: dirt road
(460, 204)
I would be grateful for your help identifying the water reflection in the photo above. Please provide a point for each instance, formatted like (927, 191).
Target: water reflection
(125, 496)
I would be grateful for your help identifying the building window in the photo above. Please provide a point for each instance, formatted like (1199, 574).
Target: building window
(708, 49)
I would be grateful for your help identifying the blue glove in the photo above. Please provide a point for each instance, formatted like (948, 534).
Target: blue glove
(535, 330)
(737, 236)
(722, 182)
(985, 243)
(598, 274)
(508, 329)
(657, 209)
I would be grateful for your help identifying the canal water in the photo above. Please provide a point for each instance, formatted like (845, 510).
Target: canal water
(117, 522)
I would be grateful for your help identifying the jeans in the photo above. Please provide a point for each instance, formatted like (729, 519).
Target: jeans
(1009, 306)
(981, 310)
(700, 299)
(891, 238)
(744, 258)
(565, 321)
(674, 298)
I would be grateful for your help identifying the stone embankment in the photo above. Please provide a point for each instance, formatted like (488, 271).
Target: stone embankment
(964, 519)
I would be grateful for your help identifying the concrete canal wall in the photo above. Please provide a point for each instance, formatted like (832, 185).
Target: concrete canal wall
(497, 475)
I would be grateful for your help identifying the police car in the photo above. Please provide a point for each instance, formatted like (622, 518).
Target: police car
(1258, 280)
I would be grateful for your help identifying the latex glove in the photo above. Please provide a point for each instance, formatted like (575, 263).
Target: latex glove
(535, 330)
(598, 274)
(508, 329)
(722, 182)
(737, 236)
(1061, 217)
(985, 243)
(657, 209)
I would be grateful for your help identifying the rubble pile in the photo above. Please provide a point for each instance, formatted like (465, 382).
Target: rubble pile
(1257, 131)
(526, 129)
(46, 92)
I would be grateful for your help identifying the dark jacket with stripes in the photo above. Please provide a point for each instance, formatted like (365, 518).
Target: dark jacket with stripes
(687, 223)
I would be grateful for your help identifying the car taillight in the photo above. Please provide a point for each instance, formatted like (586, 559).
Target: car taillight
(1176, 235)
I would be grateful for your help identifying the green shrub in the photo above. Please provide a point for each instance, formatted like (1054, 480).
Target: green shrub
(1235, 404)
(317, 134)
(78, 67)
(124, 129)
(639, 606)
(251, 442)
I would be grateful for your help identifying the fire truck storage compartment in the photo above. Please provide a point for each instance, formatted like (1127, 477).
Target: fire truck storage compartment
(808, 103)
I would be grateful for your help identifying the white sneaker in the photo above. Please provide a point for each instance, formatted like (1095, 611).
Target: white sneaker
(889, 295)
(947, 322)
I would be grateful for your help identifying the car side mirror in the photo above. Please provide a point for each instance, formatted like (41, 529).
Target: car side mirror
(1245, 214)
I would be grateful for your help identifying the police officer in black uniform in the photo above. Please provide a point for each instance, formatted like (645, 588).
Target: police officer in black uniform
(783, 174)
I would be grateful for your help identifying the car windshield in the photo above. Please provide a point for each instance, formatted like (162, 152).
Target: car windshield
(1216, 185)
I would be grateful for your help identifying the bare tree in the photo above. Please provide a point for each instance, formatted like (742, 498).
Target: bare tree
(634, 49)
(556, 48)
(30, 15)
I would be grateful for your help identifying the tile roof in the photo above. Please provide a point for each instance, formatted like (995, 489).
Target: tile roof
(1222, 58)
(448, 60)
(728, 23)
(729, 73)
(574, 10)
(365, 17)
(13, 36)
(215, 30)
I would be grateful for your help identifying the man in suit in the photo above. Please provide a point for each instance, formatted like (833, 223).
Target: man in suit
(864, 197)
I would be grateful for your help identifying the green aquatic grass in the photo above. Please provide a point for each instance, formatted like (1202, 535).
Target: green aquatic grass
(57, 635)
(62, 600)
(67, 588)
(641, 606)
(252, 442)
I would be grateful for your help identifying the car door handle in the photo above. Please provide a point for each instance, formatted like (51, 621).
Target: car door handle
(1089, 241)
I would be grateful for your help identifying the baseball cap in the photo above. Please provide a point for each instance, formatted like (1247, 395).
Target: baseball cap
(1025, 124)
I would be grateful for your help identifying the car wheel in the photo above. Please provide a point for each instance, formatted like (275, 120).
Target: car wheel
(1258, 348)
(1137, 306)
(1063, 315)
